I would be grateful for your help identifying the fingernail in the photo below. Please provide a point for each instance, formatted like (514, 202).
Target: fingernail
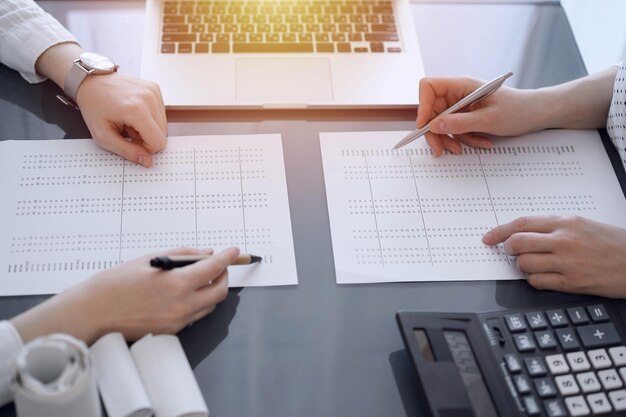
(487, 238)
(440, 126)
(486, 144)
(144, 160)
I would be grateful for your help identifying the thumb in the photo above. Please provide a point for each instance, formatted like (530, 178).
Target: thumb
(458, 123)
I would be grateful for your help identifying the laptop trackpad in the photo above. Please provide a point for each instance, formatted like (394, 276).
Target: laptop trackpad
(283, 80)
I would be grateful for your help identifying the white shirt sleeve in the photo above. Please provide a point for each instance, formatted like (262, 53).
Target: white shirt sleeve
(26, 31)
(10, 345)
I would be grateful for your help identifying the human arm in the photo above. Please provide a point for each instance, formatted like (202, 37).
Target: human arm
(113, 106)
(133, 298)
(566, 253)
(578, 104)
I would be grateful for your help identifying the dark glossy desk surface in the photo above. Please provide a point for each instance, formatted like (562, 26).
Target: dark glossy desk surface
(319, 349)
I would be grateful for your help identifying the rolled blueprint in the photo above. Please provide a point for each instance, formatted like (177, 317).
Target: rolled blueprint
(168, 377)
(121, 388)
(53, 377)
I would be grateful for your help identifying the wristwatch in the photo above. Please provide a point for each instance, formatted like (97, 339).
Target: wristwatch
(89, 63)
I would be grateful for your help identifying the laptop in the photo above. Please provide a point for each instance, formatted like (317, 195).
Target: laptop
(282, 53)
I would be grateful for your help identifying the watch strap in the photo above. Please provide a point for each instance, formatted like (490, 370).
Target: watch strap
(74, 79)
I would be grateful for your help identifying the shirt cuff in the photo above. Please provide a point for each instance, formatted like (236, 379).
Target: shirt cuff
(10, 345)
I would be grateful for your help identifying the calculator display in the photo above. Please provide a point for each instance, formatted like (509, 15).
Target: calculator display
(470, 373)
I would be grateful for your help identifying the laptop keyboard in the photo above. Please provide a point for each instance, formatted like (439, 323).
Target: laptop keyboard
(271, 26)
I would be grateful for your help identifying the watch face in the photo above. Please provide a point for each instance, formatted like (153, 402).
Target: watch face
(97, 62)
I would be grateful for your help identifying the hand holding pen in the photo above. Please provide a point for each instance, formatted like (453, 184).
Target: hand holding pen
(440, 99)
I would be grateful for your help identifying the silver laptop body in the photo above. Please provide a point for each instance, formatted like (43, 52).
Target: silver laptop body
(282, 53)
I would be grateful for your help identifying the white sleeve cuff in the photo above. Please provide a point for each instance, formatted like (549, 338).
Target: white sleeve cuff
(25, 33)
(10, 345)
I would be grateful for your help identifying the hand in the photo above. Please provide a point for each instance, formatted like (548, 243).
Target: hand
(506, 112)
(114, 104)
(133, 298)
(567, 253)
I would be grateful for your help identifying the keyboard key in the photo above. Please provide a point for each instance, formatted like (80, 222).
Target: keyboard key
(168, 48)
(597, 313)
(179, 37)
(545, 339)
(531, 406)
(588, 382)
(566, 384)
(597, 335)
(394, 50)
(557, 318)
(618, 399)
(344, 47)
(512, 363)
(545, 387)
(381, 37)
(220, 47)
(567, 339)
(385, 27)
(178, 28)
(201, 48)
(557, 364)
(578, 361)
(325, 47)
(555, 408)
(577, 315)
(599, 403)
(357, 49)
(609, 379)
(377, 47)
(618, 354)
(522, 384)
(523, 341)
(536, 320)
(622, 372)
(272, 47)
(599, 358)
(184, 48)
(577, 406)
(535, 366)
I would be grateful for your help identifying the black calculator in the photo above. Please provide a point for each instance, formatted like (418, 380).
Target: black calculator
(565, 360)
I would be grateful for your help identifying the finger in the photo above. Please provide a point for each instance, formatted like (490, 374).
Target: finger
(538, 224)
(133, 134)
(528, 242)
(474, 141)
(159, 110)
(427, 98)
(534, 263)
(203, 272)
(114, 142)
(210, 295)
(547, 281)
(452, 124)
(435, 142)
(179, 251)
(452, 145)
(151, 134)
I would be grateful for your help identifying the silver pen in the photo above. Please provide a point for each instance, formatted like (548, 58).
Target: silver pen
(473, 97)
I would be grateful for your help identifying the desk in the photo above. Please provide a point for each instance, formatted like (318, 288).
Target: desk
(317, 349)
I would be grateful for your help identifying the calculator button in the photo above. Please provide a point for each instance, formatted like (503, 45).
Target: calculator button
(577, 406)
(555, 408)
(566, 384)
(536, 320)
(567, 339)
(618, 354)
(599, 403)
(599, 358)
(513, 363)
(609, 379)
(557, 364)
(524, 342)
(531, 406)
(535, 366)
(557, 318)
(545, 387)
(598, 313)
(597, 335)
(545, 339)
(515, 322)
(622, 372)
(578, 315)
(522, 384)
(588, 382)
(618, 399)
(578, 361)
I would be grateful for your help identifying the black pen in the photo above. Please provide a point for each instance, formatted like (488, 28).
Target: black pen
(178, 261)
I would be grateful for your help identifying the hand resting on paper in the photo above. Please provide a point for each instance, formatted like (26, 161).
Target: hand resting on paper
(566, 253)
(133, 298)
